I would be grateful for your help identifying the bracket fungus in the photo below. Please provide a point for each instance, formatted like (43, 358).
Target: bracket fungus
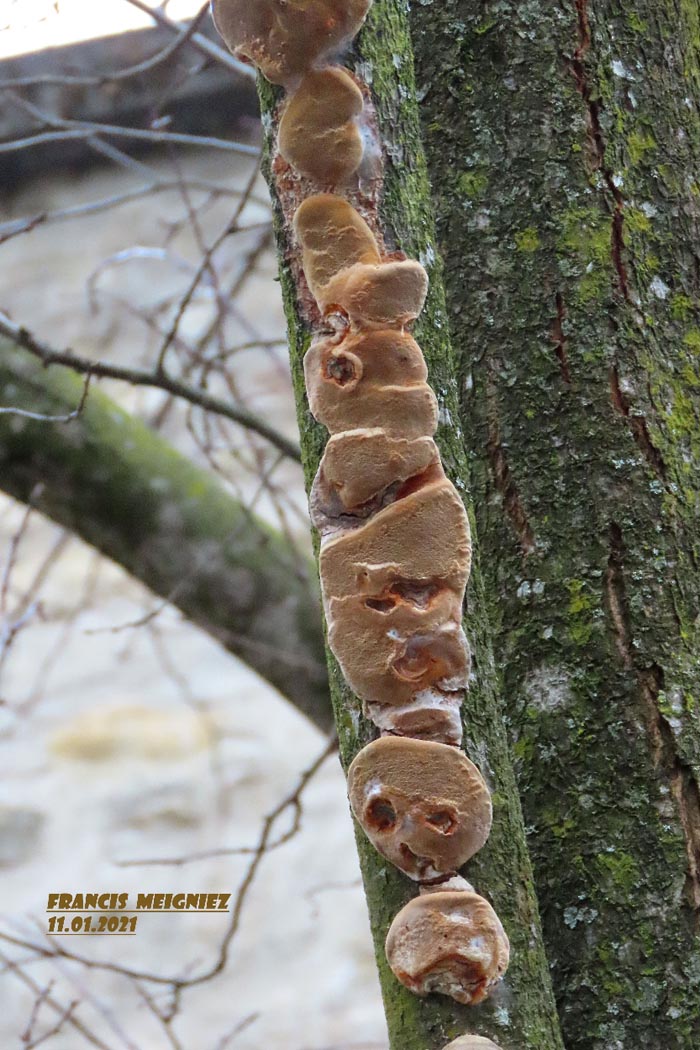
(319, 134)
(285, 38)
(423, 536)
(333, 236)
(471, 1042)
(423, 805)
(392, 651)
(359, 466)
(368, 380)
(451, 943)
(389, 294)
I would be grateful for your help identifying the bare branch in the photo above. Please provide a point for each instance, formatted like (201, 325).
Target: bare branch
(202, 43)
(28, 1034)
(39, 417)
(65, 1017)
(30, 983)
(183, 37)
(16, 227)
(226, 1040)
(80, 130)
(291, 801)
(141, 377)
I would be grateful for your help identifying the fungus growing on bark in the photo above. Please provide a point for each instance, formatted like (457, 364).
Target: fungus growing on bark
(333, 236)
(449, 942)
(390, 652)
(285, 38)
(456, 882)
(359, 465)
(396, 550)
(424, 806)
(390, 294)
(472, 1042)
(344, 270)
(371, 379)
(319, 133)
(431, 714)
(423, 537)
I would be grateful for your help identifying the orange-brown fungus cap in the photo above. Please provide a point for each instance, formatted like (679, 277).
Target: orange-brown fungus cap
(389, 295)
(423, 805)
(472, 1042)
(319, 134)
(371, 379)
(333, 236)
(423, 536)
(285, 38)
(359, 465)
(451, 943)
(391, 650)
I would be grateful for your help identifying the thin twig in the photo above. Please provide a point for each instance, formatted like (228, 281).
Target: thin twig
(28, 223)
(241, 1027)
(293, 801)
(28, 1033)
(68, 80)
(82, 130)
(205, 264)
(17, 970)
(202, 43)
(165, 1021)
(40, 417)
(142, 377)
(65, 1016)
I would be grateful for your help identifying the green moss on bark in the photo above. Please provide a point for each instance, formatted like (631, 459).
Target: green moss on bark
(128, 493)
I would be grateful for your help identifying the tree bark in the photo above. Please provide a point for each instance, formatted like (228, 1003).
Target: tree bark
(563, 143)
(521, 1016)
(125, 491)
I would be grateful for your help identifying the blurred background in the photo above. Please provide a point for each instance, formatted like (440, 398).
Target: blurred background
(137, 754)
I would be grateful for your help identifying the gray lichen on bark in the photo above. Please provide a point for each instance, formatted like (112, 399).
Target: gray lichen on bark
(563, 145)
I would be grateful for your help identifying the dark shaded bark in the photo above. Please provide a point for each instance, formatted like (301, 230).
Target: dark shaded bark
(125, 491)
(563, 143)
(521, 1015)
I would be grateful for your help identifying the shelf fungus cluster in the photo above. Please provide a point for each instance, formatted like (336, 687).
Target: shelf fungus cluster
(395, 544)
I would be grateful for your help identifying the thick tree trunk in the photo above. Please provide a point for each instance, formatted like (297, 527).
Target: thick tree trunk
(563, 142)
(124, 490)
(521, 1016)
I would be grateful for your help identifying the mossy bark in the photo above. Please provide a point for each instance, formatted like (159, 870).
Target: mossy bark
(563, 143)
(521, 1016)
(125, 491)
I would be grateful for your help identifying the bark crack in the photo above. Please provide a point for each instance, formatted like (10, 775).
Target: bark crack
(560, 339)
(504, 480)
(638, 426)
(597, 140)
(667, 762)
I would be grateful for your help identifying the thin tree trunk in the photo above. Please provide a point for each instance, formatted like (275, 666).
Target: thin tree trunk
(125, 491)
(563, 144)
(521, 1016)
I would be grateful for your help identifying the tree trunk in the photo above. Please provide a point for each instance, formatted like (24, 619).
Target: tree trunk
(521, 1016)
(125, 491)
(563, 143)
